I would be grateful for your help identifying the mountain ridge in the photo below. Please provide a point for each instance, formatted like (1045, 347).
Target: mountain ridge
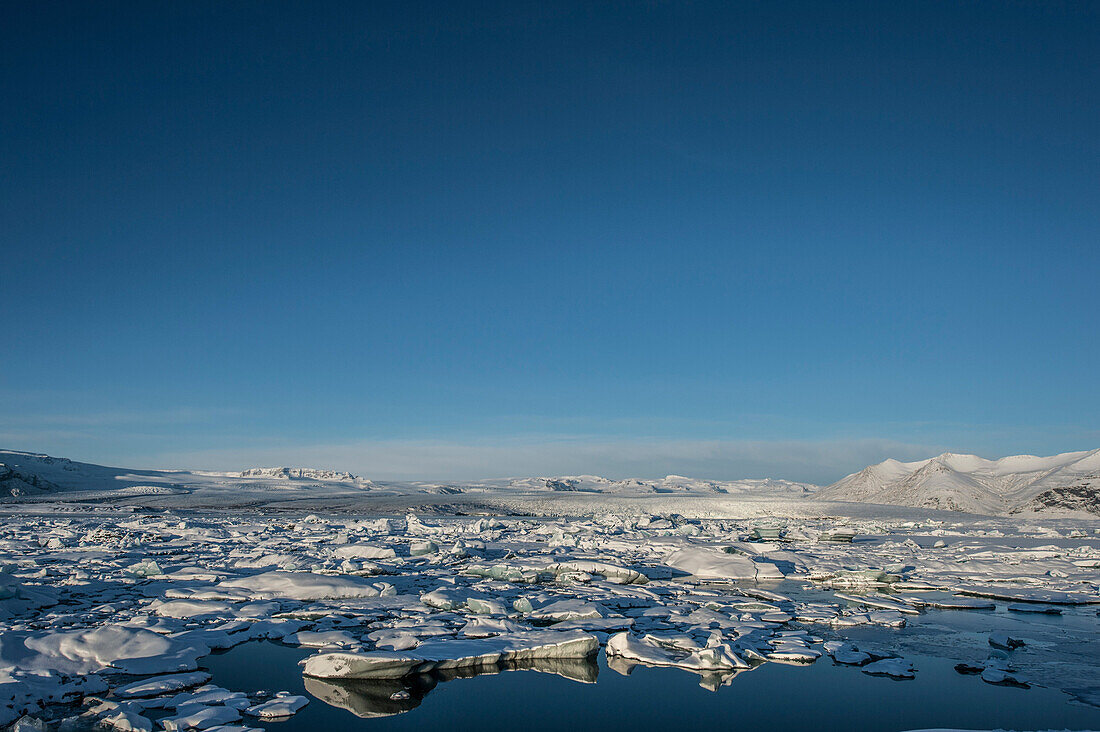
(960, 482)
(40, 475)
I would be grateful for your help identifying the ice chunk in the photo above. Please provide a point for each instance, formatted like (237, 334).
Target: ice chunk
(511, 572)
(561, 610)
(420, 548)
(1037, 609)
(129, 650)
(364, 551)
(162, 685)
(450, 654)
(952, 603)
(1002, 677)
(203, 718)
(1046, 597)
(650, 652)
(282, 705)
(880, 602)
(446, 598)
(484, 606)
(321, 639)
(300, 586)
(192, 609)
(483, 627)
(715, 564)
(127, 722)
(897, 668)
(145, 569)
(610, 572)
(1005, 641)
(207, 696)
(847, 653)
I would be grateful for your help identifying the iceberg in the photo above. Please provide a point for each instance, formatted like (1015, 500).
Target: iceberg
(647, 651)
(451, 654)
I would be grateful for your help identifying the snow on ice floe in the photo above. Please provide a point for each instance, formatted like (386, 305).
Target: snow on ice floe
(147, 596)
(107, 647)
(651, 652)
(897, 668)
(160, 685)
(716, 564)
(300, 586)
(282, 705)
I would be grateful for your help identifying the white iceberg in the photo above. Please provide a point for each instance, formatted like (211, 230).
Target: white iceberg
(450, 654)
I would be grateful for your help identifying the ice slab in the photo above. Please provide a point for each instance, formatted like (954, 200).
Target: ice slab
(451, 653)
(282, 705)
(128, 650)
(162, 685)
(715, 564)
(301, 586)
(649, 651)
(897, 668)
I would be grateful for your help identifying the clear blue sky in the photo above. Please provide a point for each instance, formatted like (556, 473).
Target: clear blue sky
(408, 239)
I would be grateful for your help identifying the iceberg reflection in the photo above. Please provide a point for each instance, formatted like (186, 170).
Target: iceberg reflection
(368, 698)
(709, 680)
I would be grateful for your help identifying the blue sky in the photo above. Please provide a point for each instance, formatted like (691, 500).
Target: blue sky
(415, 240)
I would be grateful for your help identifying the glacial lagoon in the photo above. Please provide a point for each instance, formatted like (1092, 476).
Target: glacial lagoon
(823, 696)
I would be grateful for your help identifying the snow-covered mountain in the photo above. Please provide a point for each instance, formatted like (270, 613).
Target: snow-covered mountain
(33, 475)
(668, 484)
(1016, 484)
(300, 474)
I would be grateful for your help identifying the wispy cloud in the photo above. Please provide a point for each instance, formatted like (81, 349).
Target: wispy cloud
(813, 461)
(117, 418)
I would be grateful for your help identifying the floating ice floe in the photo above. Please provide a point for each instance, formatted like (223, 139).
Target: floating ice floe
(880, 602)
(846, 653)
(450, 654)
(897, 668)
(202, 718)
(160, 685)
(563, 610)
(649, 651)
(1005, 641)
(132, 651)
(364, 551)
(322, 639)
(300, 586)
(282, 705)
(715, 564)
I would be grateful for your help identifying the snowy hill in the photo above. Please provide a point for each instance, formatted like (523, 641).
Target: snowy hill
(1016, 484)
(35, 475)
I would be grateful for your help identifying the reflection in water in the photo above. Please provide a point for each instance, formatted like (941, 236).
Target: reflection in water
(709, 680)
(372, 697)
(385, 697)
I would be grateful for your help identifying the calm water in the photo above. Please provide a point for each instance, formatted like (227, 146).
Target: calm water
(822, 697)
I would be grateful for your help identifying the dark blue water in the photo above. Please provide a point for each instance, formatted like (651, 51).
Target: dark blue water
(822, 697)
